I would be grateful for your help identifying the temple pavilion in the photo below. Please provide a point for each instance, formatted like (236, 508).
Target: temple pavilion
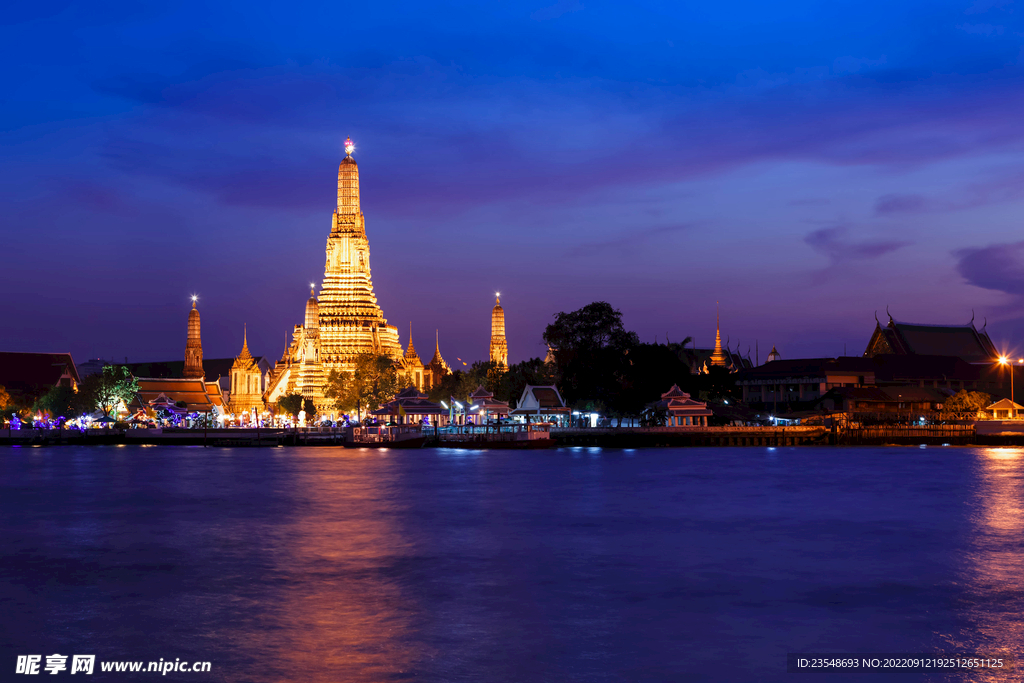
(681, 410)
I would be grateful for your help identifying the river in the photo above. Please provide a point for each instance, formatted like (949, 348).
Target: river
(324, 564)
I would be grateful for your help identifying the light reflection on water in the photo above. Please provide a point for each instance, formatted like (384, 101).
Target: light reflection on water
(572, 565)
(993, 576)
(338, 612)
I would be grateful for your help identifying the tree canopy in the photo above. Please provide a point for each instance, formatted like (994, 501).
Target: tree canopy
(964, 405)
(105, 391)
(291, 404)
(61, 401)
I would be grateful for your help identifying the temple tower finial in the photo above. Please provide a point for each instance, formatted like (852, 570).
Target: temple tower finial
(348, 183)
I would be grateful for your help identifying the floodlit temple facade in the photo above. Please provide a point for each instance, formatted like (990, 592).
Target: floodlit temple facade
(246, 382)
(344, 321)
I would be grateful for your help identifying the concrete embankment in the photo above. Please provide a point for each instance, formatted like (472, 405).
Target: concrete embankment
(179, 437)
(639, 437)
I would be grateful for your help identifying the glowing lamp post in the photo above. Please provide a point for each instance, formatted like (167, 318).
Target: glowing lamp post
(1003, 360)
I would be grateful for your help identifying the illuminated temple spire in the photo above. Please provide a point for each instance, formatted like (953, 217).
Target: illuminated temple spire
(244, 355)
(350, 322)
(499, 347)
(410, 353)
(718, 356)
(311, 374)
(193, 346)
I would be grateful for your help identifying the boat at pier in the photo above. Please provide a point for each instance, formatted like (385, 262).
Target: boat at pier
(386, 436)
(505, 436)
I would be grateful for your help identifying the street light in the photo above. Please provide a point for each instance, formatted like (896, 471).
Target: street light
(1003, 360)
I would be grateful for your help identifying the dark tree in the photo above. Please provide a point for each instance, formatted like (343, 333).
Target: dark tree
(590, 348)
(107, 390)
(291, 404)
(59, 401)
(310, 409)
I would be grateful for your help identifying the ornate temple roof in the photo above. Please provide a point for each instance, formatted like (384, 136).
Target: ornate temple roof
(193, 392)
(480, 392)
(437, 362)
(244, 358)
(675, 392)
(963, 341)
(32, 374)
(410, 354)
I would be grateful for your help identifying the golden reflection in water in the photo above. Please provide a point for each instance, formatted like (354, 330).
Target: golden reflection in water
(338, 610)
(995, 579)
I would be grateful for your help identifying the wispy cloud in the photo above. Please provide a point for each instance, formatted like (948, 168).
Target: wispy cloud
(833, 243)
(997, 267)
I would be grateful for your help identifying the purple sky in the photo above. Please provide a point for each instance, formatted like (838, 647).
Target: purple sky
(803, 164)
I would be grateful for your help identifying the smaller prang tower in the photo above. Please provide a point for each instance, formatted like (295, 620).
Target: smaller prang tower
(499, 347)
(193, 346)
(718, 355)
(311, 374)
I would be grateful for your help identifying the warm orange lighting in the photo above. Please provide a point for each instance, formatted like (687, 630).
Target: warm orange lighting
(1003, 360)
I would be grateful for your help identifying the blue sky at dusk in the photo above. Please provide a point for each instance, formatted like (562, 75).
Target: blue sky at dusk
(803, 163)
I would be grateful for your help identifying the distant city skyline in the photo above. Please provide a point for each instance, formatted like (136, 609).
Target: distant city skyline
(806, 166)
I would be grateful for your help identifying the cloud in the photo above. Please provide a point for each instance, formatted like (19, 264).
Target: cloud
(899, 203)
(997, 267)
(633, 238)
(832, 243)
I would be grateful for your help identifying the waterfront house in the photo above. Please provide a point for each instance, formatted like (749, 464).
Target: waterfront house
(483, 403)
(1004, 409)
(542, 403)
(680, 410)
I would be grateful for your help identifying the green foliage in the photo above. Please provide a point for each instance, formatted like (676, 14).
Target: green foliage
(310, 408)
(376, 380)
(964, 405)
(59, 401)
(509, 385)
(649, 371)
(291, 404)
(601, 367)
(106, 390)
(458, 385)
(342, 389)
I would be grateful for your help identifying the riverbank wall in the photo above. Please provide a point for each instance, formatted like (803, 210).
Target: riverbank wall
(987, 433)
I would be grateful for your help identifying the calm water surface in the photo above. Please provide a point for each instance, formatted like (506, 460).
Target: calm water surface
(313, 564)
